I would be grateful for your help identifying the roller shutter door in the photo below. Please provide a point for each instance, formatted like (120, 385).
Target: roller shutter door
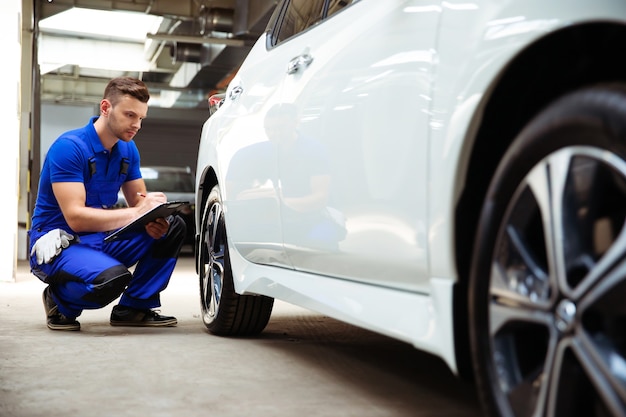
(170, 142)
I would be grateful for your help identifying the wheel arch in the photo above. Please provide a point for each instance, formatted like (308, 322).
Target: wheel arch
(207, 180)
(554, 65)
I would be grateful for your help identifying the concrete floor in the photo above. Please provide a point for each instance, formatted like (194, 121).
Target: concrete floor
(304, 364)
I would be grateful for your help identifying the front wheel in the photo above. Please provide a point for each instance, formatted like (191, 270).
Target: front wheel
(225, 312)
(548, 280)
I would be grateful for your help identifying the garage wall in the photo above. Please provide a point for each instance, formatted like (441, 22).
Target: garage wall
(59, 118)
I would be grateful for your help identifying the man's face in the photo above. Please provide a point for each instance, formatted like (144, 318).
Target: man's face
(125, 117)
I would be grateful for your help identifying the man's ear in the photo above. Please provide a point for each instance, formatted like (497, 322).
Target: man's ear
(105, 107)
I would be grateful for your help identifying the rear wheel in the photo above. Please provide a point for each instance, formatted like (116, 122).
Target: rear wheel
(225, 312)
(548, 280)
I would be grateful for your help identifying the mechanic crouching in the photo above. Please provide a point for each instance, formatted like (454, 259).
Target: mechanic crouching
(82, 174)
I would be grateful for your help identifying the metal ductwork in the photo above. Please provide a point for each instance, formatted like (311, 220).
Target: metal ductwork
(186, 52)
(241, 26)
(215, 20)
(209, 21)
(211, 37)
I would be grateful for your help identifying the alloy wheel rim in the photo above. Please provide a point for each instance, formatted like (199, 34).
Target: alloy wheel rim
(557, 271)
(213, 272)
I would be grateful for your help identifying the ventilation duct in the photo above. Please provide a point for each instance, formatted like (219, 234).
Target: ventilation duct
(215, 20)
(186, 52)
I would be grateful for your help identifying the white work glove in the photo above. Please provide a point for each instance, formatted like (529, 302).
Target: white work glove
(50, 245)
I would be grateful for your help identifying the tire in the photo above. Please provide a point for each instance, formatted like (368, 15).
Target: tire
(547, 291)
(225, 312)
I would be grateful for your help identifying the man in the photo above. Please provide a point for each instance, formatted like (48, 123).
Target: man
(82, 174)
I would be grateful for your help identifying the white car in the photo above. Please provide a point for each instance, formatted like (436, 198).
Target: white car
(448, 173)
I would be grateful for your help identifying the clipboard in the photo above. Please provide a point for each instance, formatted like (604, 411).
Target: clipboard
(162, 210)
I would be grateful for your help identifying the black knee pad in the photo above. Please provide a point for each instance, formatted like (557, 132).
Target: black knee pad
(109, 285)
(170, 246)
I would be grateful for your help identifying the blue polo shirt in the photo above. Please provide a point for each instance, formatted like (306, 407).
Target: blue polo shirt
(78, 156)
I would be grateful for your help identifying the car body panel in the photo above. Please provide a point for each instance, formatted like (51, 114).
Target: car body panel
(423, 321)
(238, 130)
(400, 117)
(467, 73)
(355, 80)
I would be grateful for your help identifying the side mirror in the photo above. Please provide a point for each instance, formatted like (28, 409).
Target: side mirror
(215, 102)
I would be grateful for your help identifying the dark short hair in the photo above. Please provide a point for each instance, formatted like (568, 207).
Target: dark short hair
(121, 86)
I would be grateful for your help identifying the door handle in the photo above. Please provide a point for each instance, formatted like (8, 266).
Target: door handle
(235, 92)
(299, 63)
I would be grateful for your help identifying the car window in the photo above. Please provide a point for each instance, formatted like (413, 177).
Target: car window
(336, 5)
(299, 15)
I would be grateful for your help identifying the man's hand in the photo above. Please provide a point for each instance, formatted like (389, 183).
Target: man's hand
(158, 228)
(50, 245)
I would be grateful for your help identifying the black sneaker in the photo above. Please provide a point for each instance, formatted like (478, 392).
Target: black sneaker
(126, 316)
(56, 320)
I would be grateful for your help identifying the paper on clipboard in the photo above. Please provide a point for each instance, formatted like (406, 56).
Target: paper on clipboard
(162, 210)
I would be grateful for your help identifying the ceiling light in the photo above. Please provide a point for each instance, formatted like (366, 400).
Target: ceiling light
(131, 26)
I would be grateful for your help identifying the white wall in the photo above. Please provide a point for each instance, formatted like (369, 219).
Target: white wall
(57, 119)
(10, 30)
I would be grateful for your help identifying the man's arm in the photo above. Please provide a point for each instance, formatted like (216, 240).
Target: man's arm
(71, 197)
(133, 191)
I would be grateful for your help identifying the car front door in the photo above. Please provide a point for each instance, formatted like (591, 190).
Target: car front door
(353, 176)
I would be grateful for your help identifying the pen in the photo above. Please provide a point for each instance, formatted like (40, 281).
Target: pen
(141, 195)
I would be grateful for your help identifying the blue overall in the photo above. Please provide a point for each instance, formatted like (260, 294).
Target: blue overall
(90, 274)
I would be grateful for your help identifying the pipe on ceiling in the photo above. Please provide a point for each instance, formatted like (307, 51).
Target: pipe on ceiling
(216, 20)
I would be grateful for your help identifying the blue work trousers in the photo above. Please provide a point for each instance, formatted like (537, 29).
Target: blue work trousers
(72, 274)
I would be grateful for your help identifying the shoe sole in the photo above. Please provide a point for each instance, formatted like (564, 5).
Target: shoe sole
(67, 327)
(164, 323)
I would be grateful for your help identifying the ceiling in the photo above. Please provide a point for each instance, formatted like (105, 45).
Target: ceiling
(190, 48)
